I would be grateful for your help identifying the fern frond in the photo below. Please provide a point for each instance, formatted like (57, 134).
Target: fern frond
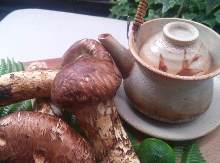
(7, 66)
(133, 140)
(20, 106)
(178, 149)
(14, 65)
(3, 67)
(192, 154)
(19, 66)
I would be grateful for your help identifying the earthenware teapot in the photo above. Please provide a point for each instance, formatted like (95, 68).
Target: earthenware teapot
(169, 68)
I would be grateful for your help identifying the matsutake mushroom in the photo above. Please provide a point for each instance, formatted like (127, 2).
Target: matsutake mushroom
(28, 137)
(43, 105)
(86, 86)
(18, 86)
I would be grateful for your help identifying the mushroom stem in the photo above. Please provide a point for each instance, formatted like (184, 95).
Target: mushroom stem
(42, 105)
(105, 132)
(18, 86)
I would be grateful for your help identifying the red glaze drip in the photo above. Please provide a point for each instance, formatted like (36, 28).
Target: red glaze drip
(195, 58)
(162, 65)
(186, 71)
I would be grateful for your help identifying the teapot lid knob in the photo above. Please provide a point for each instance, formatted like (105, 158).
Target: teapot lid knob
(180, 33)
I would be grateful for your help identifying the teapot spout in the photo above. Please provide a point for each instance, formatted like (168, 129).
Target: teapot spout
(122, 56)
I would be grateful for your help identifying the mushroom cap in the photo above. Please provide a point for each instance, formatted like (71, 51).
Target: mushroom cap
(85, 47)
(36, 137)
(91, 77)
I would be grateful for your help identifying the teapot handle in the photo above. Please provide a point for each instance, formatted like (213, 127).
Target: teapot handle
(140, 13)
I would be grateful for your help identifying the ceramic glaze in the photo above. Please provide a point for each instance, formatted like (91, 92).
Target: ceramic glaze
(177, 50)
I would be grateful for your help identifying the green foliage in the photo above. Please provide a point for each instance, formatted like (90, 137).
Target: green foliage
(212, 5)
(73, 122)
(3, 67)
(186, 152)
(154, 150)
(123, 8)
(217, 15)
(192, 154)
(203, 11)
(7, 66)
(20, 106)
(133, 140)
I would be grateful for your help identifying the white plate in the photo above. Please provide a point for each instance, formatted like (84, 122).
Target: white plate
(199, 127)
(33, 34)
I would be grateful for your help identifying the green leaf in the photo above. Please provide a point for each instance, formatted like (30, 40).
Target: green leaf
(178, 149)
(7, 67)
(73, 122)
(131, 137)
(168, 4)
(152, 2)
(8, 109)
(122, 9)
(14, 67)
(212, 5)
(192, 154)
(19, 66)
(217, 15)
(25, 106)
(211, 22)
(3, 67)
(198, 4)
(19, 106)
(189, 16)
(152, 14)
(133, 140)
(203, 11)
(157, 2)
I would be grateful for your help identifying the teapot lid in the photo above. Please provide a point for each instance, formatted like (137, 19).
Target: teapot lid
(180, 33)
(152, 31)
(177, 49)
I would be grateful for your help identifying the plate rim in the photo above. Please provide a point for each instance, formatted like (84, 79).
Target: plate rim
(154, 134)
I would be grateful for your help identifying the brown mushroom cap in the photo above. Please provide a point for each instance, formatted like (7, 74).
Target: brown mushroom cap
(92, 77)
(85, 47)
(86, 85)
(36, 137)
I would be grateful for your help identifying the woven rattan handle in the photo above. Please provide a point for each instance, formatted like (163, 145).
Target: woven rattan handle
(140, 13)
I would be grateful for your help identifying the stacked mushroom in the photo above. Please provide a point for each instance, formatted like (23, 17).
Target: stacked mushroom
(27, 137)
(85, 86)
(43, 105)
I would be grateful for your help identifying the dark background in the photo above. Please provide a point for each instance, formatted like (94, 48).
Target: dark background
(89, 7)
